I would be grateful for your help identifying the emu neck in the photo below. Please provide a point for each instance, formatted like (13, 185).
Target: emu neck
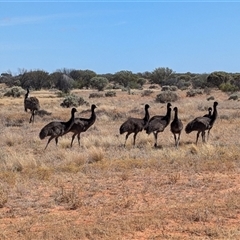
(214, 115)
(168, 116)
(176, 115)
(146, 117)
(93, 116)
(70, 122)
(26, 95)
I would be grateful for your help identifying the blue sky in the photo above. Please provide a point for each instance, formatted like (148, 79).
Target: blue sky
(107, 37)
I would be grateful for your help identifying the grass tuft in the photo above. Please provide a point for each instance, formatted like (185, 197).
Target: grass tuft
(95, 155)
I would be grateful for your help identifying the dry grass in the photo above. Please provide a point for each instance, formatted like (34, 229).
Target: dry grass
(102, 190)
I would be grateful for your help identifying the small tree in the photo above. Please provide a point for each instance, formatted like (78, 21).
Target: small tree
(99, 83)
(215, 79)
(65, 83)
(161, 75)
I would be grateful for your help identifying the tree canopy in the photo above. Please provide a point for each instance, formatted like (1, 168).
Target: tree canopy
(67, 79)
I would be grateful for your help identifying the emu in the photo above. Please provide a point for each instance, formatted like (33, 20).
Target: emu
(176, 127)
(31, 103)
(158, 123)
(134, 125)
(82, 125)
(208, 115)
(57, 129)
(202, 124)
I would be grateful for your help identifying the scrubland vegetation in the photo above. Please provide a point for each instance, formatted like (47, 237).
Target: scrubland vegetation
(102, 190)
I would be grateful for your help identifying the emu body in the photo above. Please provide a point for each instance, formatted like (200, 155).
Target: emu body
(134, 125)
(176, 127)
(158, 123)
(202, 124)
(31, 103)
(57, 129)
(82, 124)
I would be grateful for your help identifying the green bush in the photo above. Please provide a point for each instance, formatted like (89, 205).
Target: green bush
(73, 101)
(15, 92)
(228, 87)
(99, 83)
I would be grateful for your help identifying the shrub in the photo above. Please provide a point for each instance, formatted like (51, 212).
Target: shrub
(167, 96)
(207, 90)
(228, 87)
(169, 88)
(73, 101)
(210, 98)
(99, 83)
(193, 92)
(116, 86)
(166, 88)
(110, 94)
(173, 88)
(95, 95)
(233, 97)
(15, 92)
(153, 87)
(61, 94)
(147, 93)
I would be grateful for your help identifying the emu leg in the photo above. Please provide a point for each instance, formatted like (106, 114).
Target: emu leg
(32, 117)
(178, 140)
(155, 137)
(203, 137)
(78, 139)
(179, 136)
(73, 136)
(134, 138)
(126, 138)
(197, 137)
(49, 140)
(56, 140)
(175, 139)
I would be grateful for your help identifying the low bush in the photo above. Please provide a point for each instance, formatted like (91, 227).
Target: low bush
(110, 94)
(193, 92)
(167, 96)
(73, 101)
(15, 92)
(95, 95)
(147, 92)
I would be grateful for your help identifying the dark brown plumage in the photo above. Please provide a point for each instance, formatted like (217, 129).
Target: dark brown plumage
(134, 125)
(213, 117)
(176, 127)
(209, 112)
(82, 124)
(202, 124)
(57, 129)
(158, 123)
(208, 115)
(31, 103)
